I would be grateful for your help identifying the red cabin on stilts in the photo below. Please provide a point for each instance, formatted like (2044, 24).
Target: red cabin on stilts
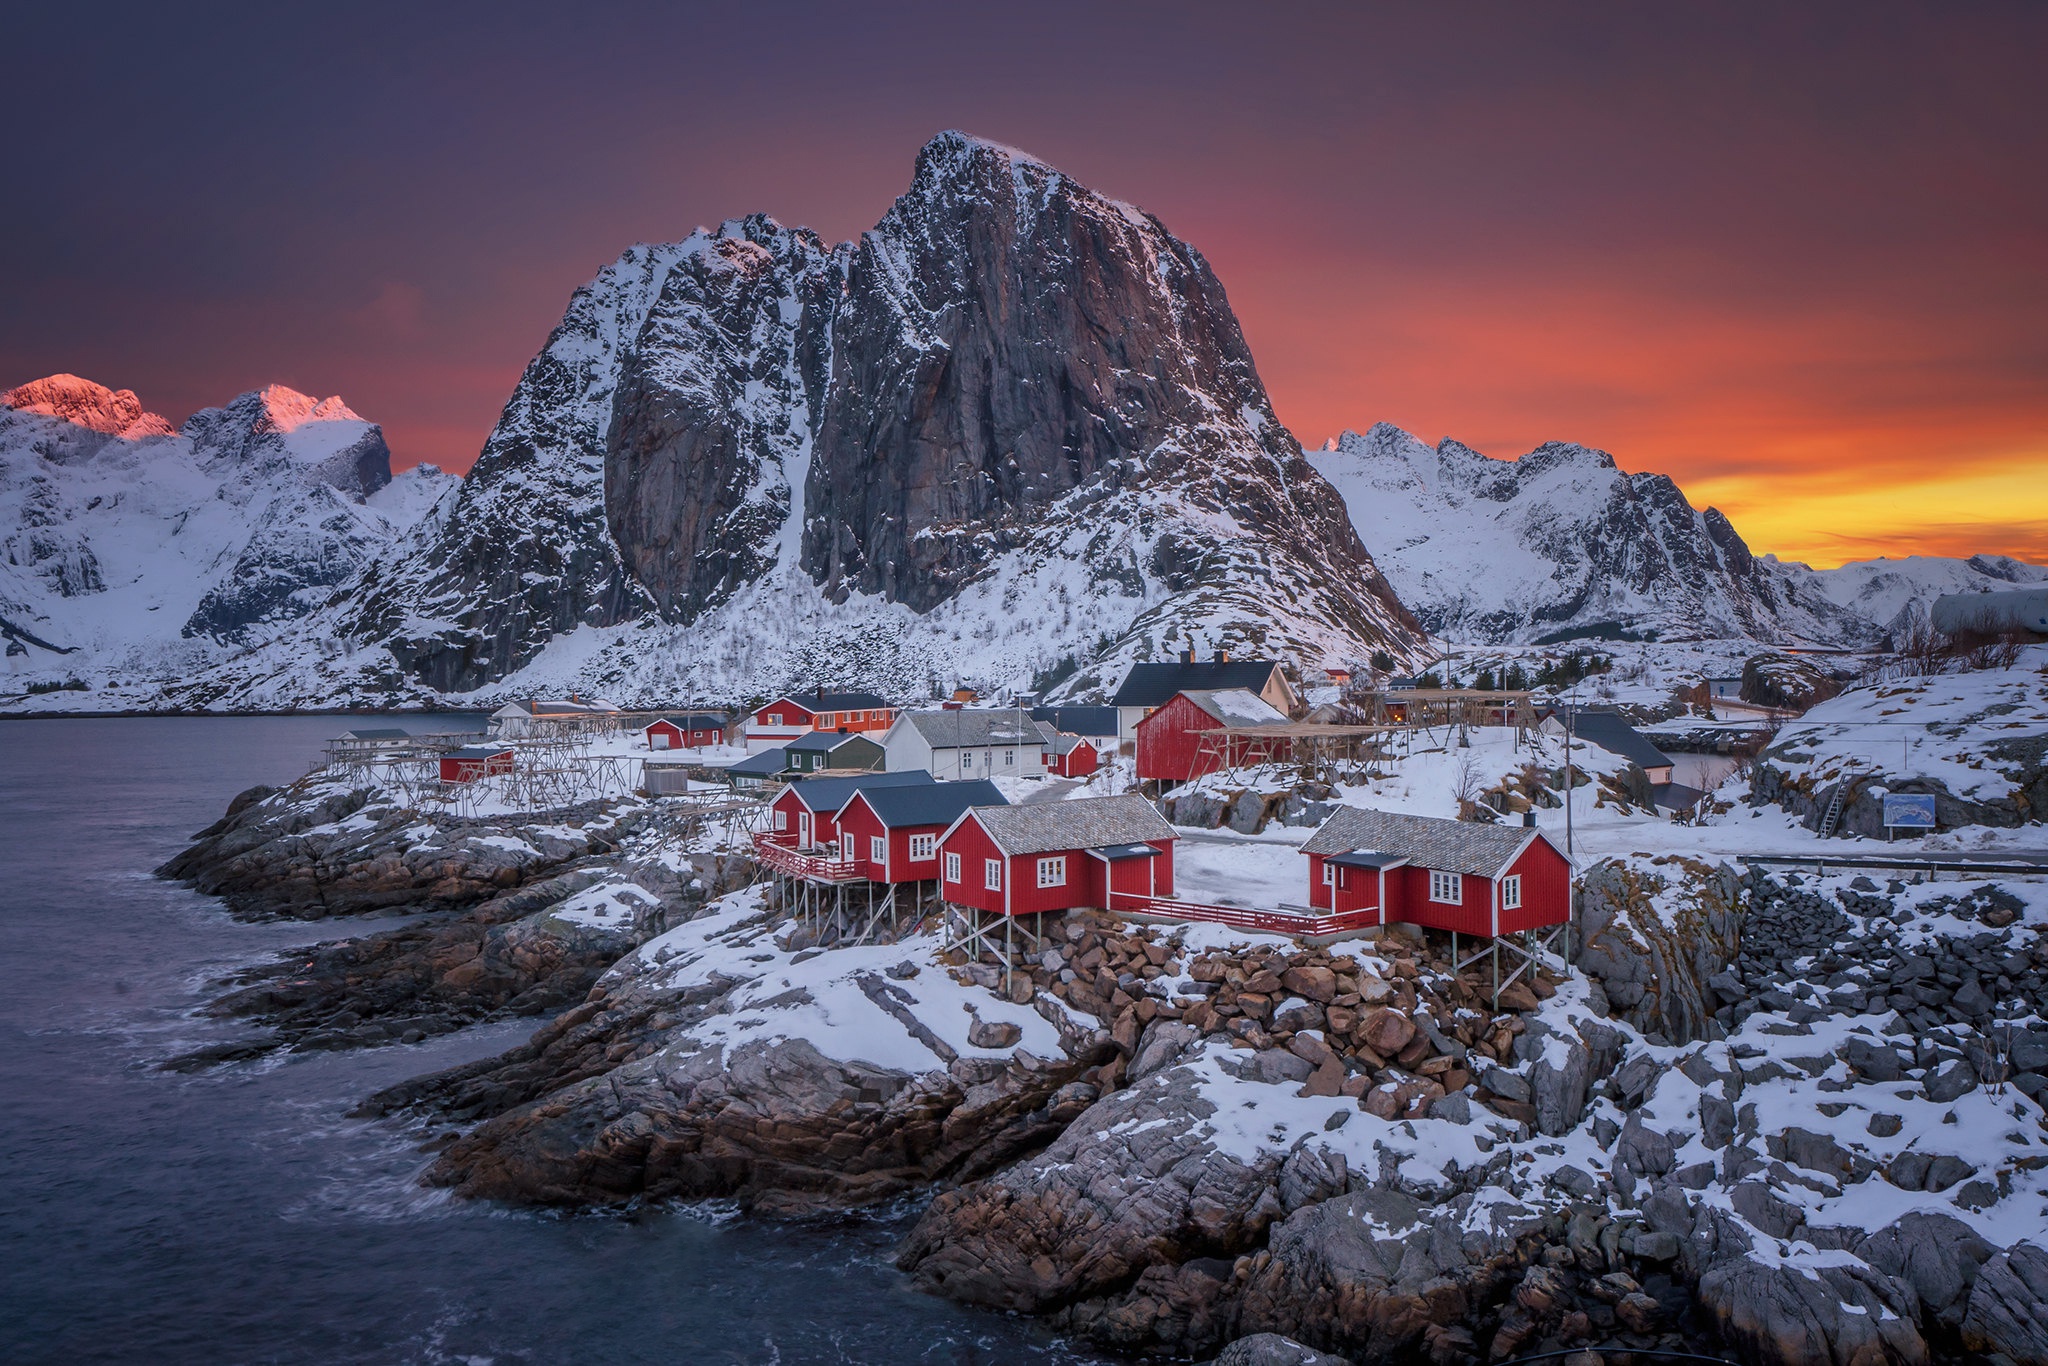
(1481, 880)
(472, 762)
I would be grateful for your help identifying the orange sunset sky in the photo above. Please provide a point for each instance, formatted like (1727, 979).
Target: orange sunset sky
(1795, 257)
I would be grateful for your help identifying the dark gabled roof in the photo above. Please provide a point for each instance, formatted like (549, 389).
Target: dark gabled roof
(1079, 720)
(1154, 685)
(937, 804)
(1676, 796)
(377, 735)
(1609, 731)
(696, 720)
(825, 741)
(829, 794)
(479, 751)
(1362, 858)
(1117, 853)
(831, 701)
(1449, 846)
(767, 764)
(953, 728)
(1085, 823)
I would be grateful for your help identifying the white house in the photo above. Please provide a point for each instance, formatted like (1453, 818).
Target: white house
(526, 719)
(968, 743)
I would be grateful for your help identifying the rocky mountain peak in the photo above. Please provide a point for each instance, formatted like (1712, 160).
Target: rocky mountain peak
(278, 423)
(81, 402)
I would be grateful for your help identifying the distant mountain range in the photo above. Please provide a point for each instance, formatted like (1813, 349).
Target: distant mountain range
(1010, 437)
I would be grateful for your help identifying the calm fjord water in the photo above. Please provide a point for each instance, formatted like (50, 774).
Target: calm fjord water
(238, 1216)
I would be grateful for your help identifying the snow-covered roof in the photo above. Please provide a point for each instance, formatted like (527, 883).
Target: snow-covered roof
(1236, 707)
(377, 735)
(702, 720)
(1448, 846)
(964, 726)
(1154, 685)
(479, 751)
(1086, 823)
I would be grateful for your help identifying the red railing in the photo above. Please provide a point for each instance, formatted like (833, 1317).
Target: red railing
(1244, 918)
(775, 853)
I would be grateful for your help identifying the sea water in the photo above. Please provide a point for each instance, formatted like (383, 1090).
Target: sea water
(238, 1215)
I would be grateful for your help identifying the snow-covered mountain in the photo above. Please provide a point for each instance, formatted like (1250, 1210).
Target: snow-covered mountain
(1897, 593)
(1561, 544)
(141, 554)
(1011, 434)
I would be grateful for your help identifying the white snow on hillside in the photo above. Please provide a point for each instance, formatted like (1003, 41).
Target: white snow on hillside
(1895, 593)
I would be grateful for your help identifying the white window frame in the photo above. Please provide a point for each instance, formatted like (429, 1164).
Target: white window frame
(1010, 757)
(952, 867)
(781, 820)
(1329, 873)
(992, 874)
(773, 718)
(1446, 888)
(878, 849)
(923, 847)
(1052, 872)
(1511, 892)
(966, 758)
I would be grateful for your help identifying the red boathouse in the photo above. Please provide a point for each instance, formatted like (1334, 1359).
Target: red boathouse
(1188, 736)
(1056, 856)
(472, 762)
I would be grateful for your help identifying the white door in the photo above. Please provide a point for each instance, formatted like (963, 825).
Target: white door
(660, 739)
(803, 829)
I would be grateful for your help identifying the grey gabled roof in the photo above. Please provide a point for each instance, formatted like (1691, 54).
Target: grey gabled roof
(1154, 685)
(937, 804)
(701, 720)
(1085, 823)
(766, 764)
(969, 726)
(479, 751)
(1096, 721)
(1449, 846)
(377, 735)
(825, 741)
(829, 794)
(1609, 731)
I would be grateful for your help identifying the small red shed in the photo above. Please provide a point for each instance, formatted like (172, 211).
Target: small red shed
(693, 731)
(1485, 880)
(1072, 756)
(893, 832)
(805, 813)
(1056, 856)
(472, 762)
(1172, 746)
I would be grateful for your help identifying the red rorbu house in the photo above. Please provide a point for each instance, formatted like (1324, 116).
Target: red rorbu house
(798, 714)
(805, 814)
(892, 833)
(1054, 857)
(1189, 735)
(693, 731)
(1393, 869)
(472, 762)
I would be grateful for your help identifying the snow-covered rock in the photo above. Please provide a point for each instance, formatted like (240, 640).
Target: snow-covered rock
(1562, 544)
(1897, 593)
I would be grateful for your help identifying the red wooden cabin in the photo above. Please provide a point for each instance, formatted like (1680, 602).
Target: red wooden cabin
(1056, 856)
(1173, 748)
(796, 714)
(804, 815)
(1485, 880)
(684, 732)
(892, 833)
(472, 762)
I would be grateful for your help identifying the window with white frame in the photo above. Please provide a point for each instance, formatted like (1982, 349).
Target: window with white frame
(1052, 872)
(952, 867)
(782, 820)
(921, 846)
(1010, 757)
(878, 849)
(773, 718)
(992, 874)
(1511, 892)
(1329, 874)
(1446, 887)
(966, 758)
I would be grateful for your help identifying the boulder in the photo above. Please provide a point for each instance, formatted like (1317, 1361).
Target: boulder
(2008, 1310)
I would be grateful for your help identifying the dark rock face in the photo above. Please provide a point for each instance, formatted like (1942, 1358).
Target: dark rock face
(1006, 358)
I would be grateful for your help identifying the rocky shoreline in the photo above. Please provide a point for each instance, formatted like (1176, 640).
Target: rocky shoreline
(1799, 1120)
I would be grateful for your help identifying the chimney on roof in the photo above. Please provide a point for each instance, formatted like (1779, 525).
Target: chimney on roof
(1187, 656)
(1223, 656)
(821, 692)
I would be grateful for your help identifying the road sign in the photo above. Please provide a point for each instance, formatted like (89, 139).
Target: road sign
(1909, 810)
